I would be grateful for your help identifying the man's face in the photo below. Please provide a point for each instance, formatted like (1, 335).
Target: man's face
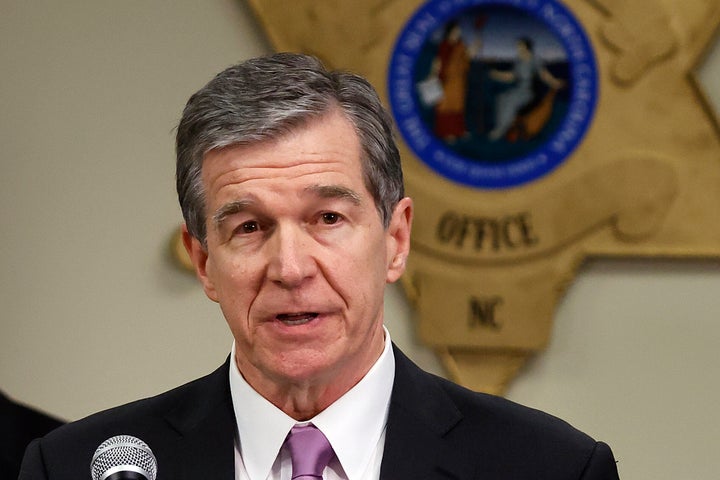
(297, 256)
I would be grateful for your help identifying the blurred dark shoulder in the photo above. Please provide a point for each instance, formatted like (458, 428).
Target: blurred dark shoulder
(19, 425)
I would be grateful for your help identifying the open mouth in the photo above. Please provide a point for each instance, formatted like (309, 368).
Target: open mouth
(293, 319)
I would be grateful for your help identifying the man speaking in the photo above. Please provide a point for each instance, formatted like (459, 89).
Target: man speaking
(295, 220)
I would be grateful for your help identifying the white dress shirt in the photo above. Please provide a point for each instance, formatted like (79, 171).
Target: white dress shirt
(354, 425)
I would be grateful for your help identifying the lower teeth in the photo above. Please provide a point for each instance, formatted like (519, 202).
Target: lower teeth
(297, 320)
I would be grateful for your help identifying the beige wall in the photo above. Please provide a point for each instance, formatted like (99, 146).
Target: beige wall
(94, 314)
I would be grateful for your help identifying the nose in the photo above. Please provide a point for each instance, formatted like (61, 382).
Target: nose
(290, 260)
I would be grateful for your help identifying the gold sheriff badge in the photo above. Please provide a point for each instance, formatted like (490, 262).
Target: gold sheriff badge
(535, 133)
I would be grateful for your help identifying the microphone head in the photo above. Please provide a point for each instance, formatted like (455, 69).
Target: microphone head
(123, 457)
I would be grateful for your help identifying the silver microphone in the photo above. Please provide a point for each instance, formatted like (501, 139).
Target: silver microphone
(123, 457)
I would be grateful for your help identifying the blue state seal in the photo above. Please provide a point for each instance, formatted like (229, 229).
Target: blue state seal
(493, 93)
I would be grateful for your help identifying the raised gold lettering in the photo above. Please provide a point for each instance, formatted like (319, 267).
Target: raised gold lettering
(505, 233)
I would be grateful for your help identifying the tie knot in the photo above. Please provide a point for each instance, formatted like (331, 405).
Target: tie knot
(310, 452)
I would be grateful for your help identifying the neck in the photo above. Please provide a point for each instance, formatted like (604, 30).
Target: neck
(305, 402)
(304, 398)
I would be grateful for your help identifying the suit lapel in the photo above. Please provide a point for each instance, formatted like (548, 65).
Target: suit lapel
(206, 426)
(421, 415)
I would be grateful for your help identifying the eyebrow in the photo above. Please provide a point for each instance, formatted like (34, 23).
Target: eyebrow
(335, 191)
(322, 191)
(229, 209)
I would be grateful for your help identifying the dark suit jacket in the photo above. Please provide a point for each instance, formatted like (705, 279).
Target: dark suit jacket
(435, 430)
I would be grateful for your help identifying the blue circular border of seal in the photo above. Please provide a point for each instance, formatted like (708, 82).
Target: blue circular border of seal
(474, 172)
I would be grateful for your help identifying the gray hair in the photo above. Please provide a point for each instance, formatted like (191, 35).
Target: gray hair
(265, 98)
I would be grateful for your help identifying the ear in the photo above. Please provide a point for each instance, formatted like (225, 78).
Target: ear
(199, 258)
(398, 239)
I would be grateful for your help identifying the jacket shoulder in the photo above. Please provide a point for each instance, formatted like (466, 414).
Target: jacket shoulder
(159, 421)
(175, 403)
(501, 438)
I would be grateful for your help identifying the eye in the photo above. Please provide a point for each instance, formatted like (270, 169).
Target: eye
(330, 218)
(248, 227)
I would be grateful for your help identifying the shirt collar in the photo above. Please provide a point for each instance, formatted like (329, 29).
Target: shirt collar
(262, 427)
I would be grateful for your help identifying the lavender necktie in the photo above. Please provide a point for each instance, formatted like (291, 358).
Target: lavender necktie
(310, 452)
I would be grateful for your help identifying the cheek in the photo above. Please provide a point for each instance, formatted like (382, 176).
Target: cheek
(365, 274)
(236, 286)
